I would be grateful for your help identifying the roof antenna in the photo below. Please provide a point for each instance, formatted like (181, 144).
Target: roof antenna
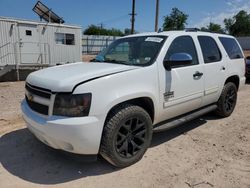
(159, 30)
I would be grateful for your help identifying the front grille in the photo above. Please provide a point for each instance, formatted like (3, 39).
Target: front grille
(41, 92)
(40, 108)
(32, 92)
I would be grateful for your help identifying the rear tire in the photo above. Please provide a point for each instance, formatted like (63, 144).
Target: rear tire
(227, 100)
(126, 136)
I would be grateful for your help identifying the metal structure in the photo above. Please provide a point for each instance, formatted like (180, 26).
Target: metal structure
(47, 14)
(93, 44)
(25, 43)
(33, 43)
(244, 42)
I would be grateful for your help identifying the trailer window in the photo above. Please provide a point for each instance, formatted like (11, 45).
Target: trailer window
(70, 39)
(65, 38)
(28, 32)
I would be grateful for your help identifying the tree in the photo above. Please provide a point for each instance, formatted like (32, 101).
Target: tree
(228, 24)
(239, 25)
(127, 31)
(213, 27)
(175, 21)
(95, 30)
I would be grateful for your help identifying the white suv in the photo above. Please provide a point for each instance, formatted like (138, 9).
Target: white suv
(139, 84)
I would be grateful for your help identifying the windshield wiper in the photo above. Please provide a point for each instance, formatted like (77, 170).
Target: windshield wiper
(115, 61)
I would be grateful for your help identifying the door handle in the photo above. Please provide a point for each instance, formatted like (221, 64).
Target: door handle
(197, 74)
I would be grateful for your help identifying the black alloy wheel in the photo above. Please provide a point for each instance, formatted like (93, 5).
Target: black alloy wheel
(227, 100)
(126, 135)
(131, 137)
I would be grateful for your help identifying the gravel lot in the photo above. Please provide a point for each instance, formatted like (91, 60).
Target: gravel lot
(207, 152)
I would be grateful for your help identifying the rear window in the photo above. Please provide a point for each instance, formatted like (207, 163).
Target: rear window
(231, 47)
(210, 50)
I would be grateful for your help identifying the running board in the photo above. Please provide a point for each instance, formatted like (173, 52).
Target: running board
(183, 119)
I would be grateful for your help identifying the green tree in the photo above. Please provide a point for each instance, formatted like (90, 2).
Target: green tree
(95, 30)
(228, 24)
(239, 25)
(175, 21)
(127, 31)
(213, 27)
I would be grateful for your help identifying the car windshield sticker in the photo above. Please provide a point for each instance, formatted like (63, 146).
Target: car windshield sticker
(154, 39)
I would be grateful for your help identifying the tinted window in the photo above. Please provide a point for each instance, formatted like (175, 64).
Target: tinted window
(183, 44)
(65, 38)
(210, 50)
(231, 47)
(70, 39)
(139, 51)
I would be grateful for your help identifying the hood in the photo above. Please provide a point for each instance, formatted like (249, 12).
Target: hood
(63, 78)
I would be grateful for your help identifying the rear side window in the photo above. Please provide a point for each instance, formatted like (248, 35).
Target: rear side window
(231, 47)
(210, 50)
(183, 44)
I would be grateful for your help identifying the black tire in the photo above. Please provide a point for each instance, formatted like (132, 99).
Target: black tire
(126, 136)
(227, 100)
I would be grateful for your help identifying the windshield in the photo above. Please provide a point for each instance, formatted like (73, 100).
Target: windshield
(139, 51)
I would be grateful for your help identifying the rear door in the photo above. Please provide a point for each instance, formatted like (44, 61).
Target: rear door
(183, 89)
(214, 69)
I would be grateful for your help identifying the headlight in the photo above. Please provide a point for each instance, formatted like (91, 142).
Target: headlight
(71, 105)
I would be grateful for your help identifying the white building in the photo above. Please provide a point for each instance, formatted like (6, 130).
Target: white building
(31, 43)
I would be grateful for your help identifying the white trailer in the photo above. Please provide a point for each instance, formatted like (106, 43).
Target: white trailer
(34, 43)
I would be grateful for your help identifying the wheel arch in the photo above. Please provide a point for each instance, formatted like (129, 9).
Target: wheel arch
(234, 79)
(144, 102)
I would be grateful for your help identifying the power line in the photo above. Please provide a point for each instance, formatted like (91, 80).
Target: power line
(112, 20)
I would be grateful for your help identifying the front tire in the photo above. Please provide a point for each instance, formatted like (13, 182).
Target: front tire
(126, 136)
(227, 100)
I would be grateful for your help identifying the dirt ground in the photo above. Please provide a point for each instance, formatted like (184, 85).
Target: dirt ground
(247, 53)
(87, 58)
(207, 152)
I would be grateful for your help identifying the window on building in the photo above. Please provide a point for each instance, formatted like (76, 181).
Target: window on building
(210, 50)
(28, 32)
(183, 44)
(231, 47)
(65, 38)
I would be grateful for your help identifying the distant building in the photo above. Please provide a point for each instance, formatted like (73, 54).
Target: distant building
(244, 42)
(24, 42)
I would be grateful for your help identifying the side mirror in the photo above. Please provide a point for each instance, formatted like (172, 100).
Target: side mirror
(177, 60)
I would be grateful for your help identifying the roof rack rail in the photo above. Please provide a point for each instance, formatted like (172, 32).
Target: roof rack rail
(192, 29)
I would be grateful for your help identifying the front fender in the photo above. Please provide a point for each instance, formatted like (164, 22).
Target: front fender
(111, 90)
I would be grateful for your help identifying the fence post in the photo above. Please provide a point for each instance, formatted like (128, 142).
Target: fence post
(106, 42)
(87, 45)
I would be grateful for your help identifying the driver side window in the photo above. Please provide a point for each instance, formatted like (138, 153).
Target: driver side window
(120, 52)
(183, 44)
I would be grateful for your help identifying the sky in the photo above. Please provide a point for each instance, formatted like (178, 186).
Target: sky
(115, 13)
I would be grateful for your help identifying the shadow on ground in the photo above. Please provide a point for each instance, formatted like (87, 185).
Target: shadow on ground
(24, 156)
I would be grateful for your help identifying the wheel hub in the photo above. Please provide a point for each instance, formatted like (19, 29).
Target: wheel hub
(130, 137)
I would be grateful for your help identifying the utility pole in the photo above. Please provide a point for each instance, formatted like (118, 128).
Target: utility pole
(156, 15)
(133, 17)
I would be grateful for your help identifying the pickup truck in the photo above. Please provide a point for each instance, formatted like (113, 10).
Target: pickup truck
(139, 84)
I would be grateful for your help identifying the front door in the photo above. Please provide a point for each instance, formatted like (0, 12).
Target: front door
(184, 85)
